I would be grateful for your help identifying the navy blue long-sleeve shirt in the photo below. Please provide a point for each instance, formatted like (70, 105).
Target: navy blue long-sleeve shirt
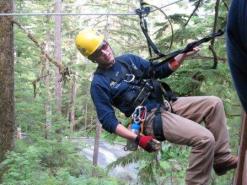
(237, 47)
(102, 93)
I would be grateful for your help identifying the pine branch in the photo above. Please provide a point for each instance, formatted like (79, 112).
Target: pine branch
(132, 157)
(211, 48)
(64, 71)
(147, 173)
(34, 82)
(201, 57)
(194, 11)
(225, 4)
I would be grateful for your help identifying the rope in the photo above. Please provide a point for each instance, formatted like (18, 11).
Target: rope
(166, 5)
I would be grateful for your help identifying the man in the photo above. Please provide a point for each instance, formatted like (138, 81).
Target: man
(116, 83)
(237, 59)
(237, 47)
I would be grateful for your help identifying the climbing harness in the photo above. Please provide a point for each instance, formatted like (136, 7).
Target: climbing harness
(138, 89)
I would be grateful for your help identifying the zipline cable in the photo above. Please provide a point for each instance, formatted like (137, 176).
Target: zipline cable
(80, 14)
(66, 14)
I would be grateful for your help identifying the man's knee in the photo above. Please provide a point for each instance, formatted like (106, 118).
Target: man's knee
(215, 100)
(206, 141)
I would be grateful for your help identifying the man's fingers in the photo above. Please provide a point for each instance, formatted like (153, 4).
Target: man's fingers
(194, 51)
(156, 145)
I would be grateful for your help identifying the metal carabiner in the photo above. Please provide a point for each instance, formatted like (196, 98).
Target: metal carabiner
(131, 76)
(139, 114)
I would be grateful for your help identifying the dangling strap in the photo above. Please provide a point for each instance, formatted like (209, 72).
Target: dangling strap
(158, 126)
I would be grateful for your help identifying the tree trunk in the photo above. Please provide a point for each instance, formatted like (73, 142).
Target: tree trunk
(240, 175)
(48, 107)
(211, 46)
(85, 120)
(58, 81)
(46, 79)
(96, 146)
(72, 105)
(7, 104)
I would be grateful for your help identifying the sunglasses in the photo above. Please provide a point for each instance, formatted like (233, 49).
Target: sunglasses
(98, 51)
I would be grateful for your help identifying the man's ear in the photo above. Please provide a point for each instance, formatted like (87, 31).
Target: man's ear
(91, 59)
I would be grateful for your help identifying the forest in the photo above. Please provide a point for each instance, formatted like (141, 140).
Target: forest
(50, 114)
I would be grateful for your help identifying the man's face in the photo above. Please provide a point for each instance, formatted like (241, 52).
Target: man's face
(103, 55)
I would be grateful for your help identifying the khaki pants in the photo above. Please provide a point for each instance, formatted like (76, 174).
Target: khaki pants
(209, 145)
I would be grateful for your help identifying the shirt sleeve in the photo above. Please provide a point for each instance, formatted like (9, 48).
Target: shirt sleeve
(100, 94)
(162, 71)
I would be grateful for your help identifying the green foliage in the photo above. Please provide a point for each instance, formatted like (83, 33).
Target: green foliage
(54, 161)
(194, 78)
(49, 162)
(156, 168)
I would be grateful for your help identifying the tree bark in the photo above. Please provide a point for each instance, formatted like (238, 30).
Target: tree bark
(85, 120)
(240, 175)
(7, 104)
(211, 46)
(96, 146)
(47, 103)
(58, 81)
(72, 105)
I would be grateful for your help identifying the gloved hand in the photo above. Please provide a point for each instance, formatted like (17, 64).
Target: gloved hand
(148, 143)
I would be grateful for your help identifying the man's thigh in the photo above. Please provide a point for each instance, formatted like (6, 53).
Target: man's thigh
(180, 130)
(195, 108)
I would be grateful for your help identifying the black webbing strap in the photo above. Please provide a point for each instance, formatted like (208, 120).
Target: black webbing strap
(157, 121)
(168, 94)
(188, 48)
(143, 12)
(158, 126)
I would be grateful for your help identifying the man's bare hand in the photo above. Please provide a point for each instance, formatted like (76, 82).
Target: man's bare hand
(194, 51)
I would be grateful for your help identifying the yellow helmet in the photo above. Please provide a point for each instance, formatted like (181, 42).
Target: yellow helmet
(87, 41)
